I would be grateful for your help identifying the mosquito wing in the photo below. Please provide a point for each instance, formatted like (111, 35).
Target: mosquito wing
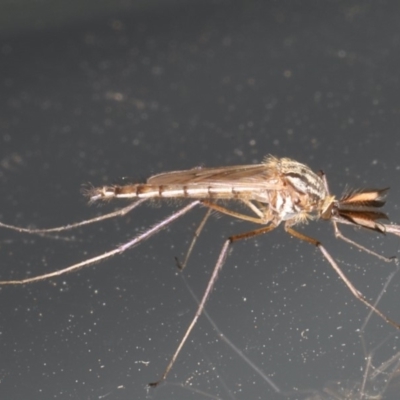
(254, 175)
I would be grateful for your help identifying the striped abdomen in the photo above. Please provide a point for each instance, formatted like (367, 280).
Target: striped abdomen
(180, 191)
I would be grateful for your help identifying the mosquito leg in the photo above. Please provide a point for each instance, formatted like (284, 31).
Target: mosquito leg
(339, 235)
(222, 210)
(196, 235)
(336, 267)
(113, 214)
(254, 208)
(234, 214)
(217, 268)
(120, 249)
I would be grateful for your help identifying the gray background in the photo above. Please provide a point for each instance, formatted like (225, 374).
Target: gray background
(105, 91)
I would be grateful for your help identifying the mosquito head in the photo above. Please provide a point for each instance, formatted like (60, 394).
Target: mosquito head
(359, 207)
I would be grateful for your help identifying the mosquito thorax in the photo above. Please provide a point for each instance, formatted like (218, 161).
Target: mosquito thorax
(304, 191)
(299, 176)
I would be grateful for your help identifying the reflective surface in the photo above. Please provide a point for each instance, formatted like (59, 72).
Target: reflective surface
(155, 90)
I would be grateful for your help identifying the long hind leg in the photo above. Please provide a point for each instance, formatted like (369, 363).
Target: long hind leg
(120, 249)
(117, 213)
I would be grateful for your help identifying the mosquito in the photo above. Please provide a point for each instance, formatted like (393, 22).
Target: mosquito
(278, 190)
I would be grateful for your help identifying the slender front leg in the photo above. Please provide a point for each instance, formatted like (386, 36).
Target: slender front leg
(339, 235)
(336, 267)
